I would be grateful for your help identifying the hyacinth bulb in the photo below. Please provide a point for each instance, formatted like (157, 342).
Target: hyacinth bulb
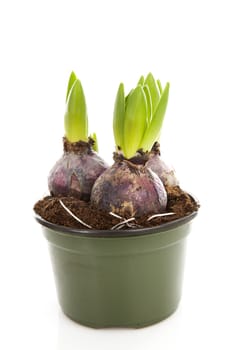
(165, 172)
(75, 173)
(129, 190)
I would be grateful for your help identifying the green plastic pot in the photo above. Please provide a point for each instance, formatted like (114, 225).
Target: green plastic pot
(131, 278)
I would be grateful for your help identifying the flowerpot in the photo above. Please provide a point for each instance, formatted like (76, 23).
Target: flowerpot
(131, 278)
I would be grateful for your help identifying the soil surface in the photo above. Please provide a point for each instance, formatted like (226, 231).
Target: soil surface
(54, 209)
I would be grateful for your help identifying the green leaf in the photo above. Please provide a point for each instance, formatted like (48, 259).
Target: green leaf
(127, 97)
(149, 103)
(159, 86)
(71, 82)
(135, 121)
(141, 80)
(154, 91)
(153, 131)
(95, 147)
(118, 117)
(76, 121)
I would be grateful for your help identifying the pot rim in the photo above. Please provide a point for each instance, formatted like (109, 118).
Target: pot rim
(116, 233)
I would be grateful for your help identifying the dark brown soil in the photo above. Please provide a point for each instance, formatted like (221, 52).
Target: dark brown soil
(50, 208)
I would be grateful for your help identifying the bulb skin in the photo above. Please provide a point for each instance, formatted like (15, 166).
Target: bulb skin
(129, 190)
(165, 172)
(75, 174)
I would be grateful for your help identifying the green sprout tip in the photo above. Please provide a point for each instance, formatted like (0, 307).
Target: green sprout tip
(76, 120)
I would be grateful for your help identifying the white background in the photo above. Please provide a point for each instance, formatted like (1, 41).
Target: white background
(188, 43)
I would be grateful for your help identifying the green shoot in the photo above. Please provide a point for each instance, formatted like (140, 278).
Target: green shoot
(153, 131)
(127, 97)
(141, 80)
(159, 86)
(70, 83)
(139, 116)
(154, 91)
(149, 103)
(76, 122)
(118, 117)
(95, 147)
(134, 121)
